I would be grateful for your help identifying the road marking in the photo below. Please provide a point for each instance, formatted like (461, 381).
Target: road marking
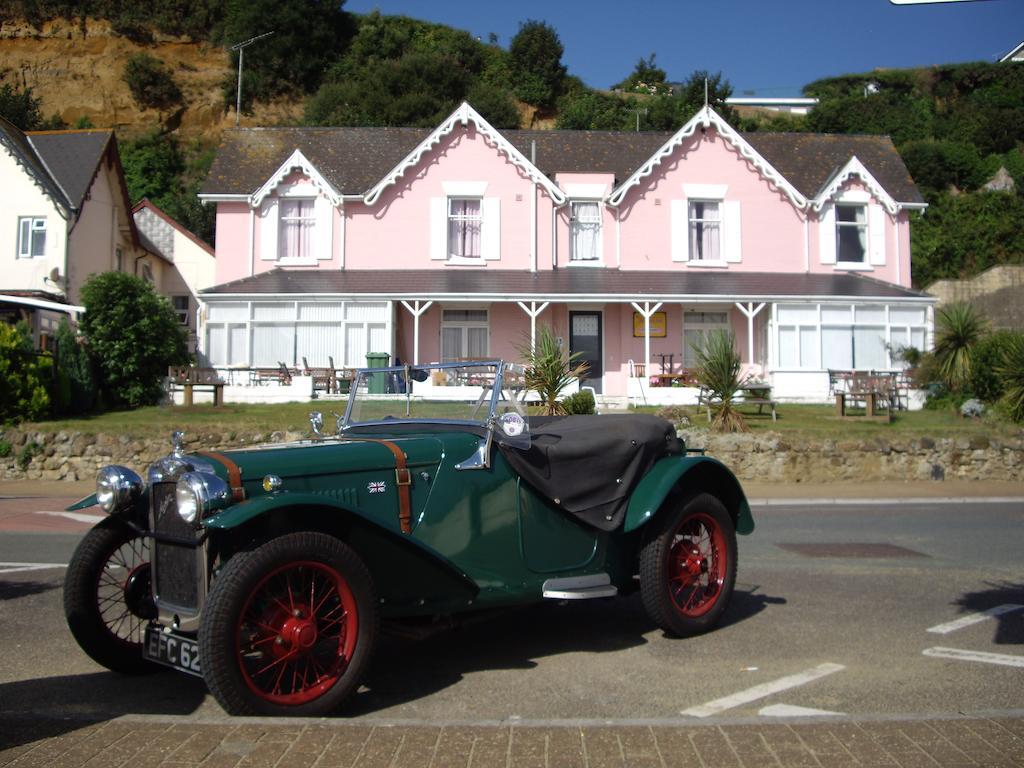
(765, 689)
(1003, 659)
(974, 618)
(21, 567)
(788, 710)
(77, 516)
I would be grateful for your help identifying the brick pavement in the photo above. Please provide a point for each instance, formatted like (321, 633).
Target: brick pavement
(144, 742)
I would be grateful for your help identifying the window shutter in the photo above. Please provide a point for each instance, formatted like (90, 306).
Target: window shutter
(876, 235)
(268, 229)
(439, 228)
(827, 235)
(733, 245)
(491, 236)
(680, 231)
(324, 228)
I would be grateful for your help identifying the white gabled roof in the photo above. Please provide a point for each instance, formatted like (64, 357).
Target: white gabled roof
(297, 161)
(464, 115)
(707, 118)
(854, 168)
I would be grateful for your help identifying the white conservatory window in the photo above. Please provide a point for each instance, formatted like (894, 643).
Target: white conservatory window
(465, 334)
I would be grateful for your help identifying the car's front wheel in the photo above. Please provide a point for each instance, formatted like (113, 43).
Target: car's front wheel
(688, 567)
(288, 627)
(107, 597)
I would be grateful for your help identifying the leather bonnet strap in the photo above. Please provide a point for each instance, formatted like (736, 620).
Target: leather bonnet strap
(234, 474)
(403, 479)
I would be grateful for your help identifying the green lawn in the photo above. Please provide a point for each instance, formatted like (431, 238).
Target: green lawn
(806, 421)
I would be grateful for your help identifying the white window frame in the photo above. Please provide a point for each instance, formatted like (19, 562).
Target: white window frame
(462, 221)
(864, 262)
(309, 220)
(575, 222)
(704, 327)
(465, 325)
(29, 227)
(695, 221)
(183, 313)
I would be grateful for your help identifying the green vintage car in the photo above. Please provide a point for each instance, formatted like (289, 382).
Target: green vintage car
(267, 571)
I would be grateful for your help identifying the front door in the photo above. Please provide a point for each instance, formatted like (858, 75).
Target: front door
(585, 338)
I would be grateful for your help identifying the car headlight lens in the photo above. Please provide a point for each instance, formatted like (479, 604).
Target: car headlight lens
(199, 494)
(117, 487)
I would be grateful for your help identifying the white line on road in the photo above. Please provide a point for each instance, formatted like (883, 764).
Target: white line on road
(788, 710)
(20, 567)
(974, 618)
(1003, 659)
(78, 516)
(763, 690)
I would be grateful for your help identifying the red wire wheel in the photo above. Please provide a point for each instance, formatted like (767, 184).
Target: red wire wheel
(288, 627)
(688, 566)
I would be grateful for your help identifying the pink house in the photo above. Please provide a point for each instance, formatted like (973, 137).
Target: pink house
(434, 245)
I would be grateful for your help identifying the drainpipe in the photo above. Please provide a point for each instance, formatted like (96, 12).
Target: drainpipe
(533, 210)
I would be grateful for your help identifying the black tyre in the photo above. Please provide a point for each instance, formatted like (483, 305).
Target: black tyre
(688, 567)
(107, 596)
(288, 627)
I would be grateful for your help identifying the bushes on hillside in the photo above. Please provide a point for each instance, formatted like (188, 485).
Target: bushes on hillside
(23, 377)
(151, 82)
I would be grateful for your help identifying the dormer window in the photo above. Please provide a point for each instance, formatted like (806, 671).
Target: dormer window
(295, 233)
(851, 233)
(585, 232)
(465, 225)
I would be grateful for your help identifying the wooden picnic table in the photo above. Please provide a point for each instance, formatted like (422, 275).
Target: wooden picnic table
(190, 377)
(750, 393)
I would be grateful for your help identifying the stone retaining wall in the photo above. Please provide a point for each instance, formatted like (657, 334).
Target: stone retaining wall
(766, 457)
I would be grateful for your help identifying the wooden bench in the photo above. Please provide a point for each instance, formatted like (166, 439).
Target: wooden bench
(752, 394)
(187, 378)
(879, 392)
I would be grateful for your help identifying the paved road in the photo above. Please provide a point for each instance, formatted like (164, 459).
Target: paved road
(874, 613)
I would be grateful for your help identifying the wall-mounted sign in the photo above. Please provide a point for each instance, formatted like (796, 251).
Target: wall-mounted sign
(658, 325)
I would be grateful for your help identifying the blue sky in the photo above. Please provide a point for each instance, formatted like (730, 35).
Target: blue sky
(769, 47)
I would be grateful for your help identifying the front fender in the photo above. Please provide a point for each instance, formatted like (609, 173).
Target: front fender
(411, 577)
(83, 503)
(691, 473)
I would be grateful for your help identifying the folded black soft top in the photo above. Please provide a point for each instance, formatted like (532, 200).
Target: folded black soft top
(589, 465)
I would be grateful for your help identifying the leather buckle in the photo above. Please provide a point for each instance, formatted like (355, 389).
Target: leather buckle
(403, 476)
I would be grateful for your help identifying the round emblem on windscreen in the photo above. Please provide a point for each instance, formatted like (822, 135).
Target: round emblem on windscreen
(512, 424)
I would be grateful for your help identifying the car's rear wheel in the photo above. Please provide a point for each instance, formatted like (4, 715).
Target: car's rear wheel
(107, 596)
(288, 627)
(688, 567)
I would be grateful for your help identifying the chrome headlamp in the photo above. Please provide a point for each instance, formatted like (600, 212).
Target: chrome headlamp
(117, 487)
(199, 494)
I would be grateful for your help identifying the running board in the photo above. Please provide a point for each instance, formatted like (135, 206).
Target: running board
(580, 587)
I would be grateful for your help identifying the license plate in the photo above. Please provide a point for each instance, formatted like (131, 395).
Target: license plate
(172, 650)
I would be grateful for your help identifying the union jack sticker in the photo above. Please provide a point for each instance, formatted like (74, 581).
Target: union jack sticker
(377, 486)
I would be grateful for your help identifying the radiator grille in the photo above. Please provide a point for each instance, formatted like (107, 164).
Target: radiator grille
(175, 566)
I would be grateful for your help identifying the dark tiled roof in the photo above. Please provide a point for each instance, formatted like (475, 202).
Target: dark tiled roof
(608, 284)
(25, 154)
(72, 157)
(355, 159)
(810, 160)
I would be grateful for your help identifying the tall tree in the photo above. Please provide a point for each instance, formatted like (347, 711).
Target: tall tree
(647, 77)
(719, 89)
(536, 59)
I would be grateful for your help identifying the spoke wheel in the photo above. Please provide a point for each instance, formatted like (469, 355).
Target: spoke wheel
(107, 596)
(288, 627)
(688, 567)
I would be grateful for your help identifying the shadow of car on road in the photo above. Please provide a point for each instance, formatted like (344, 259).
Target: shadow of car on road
(1009, 625)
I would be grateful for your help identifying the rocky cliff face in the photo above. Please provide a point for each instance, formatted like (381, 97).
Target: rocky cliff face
(77, 71)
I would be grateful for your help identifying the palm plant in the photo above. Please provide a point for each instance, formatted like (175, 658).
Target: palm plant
(718, 368)
(1011, 372)
(959, 327)
(549, 369)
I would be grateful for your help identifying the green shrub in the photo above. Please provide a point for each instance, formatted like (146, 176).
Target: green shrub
(133, 335)
(150, 82)
(958, 329)
(75, 387)
(988, 356)
(23, 392)
(27, 453)
(580, 403)
(718, 368)
(1011, 372)
(550, 369)
(5, 449)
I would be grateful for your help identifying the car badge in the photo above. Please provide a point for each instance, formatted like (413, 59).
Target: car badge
(377, 486)
(512, 424)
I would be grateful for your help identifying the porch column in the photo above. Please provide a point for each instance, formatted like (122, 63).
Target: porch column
(416, 311)
(750, 313)
(533, 311)
(647, 312)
